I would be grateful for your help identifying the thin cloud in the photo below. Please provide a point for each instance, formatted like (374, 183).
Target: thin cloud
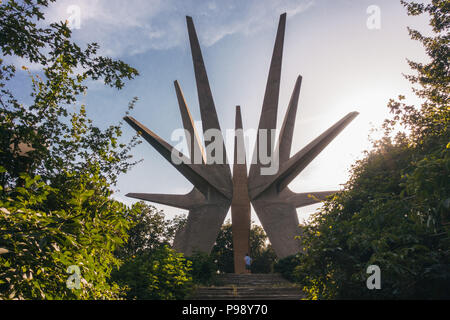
(134, 27)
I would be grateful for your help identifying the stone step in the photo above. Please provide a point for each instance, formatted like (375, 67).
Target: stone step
(251, 279)
(252, 275)
(262, 295)
(258, 298)
(249, 287)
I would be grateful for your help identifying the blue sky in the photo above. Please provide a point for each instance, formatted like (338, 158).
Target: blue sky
(345, 67)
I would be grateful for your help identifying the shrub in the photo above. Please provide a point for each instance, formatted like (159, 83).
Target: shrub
(264, 261)
(203, 268)
(162, 274)
(38, 244)
(286, 267)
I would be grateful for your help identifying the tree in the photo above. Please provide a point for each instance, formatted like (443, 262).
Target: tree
(394, 210)
(204, 268)
(55, 199)
(60, 140)
(151, 231)
(222, 251)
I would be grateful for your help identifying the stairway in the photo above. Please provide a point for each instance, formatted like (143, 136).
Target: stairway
(249, 287)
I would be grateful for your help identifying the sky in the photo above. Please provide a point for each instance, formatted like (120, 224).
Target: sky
(351, 54)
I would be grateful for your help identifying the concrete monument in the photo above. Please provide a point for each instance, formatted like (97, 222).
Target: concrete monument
(215, 189)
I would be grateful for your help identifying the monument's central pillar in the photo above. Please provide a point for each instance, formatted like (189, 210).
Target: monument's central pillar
(240, 205)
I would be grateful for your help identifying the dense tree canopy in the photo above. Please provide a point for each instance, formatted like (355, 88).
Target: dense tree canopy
(54, 124)
(151, 230)
(56, 166)
(394, 211)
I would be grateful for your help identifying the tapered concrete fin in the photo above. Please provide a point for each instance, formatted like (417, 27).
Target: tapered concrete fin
(299, 200)
(238, 120)
(193, 141)
(201, 229)
(280, 222)
(239, 142)
(299, 161)
(287, 130)
(269, 111)
(268, 119)
(198, 175)
(206, 101)
(207, 108)
(186, 201)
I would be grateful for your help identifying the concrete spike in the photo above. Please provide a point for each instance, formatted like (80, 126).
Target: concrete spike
(299, 161)
(239, 143)
(240, 205)
(299, 200)
(202, 228)
(186, 202)
(280, 221)
(198, 175)
(205, 98)
(194, 143)
(268, 119)
(219, 172)
(287, 130)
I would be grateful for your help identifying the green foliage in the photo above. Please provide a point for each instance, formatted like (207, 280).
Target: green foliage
(54, 125)
(222, 252)
(57, 167)
(265, 261)
(394, 211)
(151, 270)
(287, 266)
(433, 77)
(203, 268)
(376, 222)
(150, 231)
(42, 244)
(161, 274)
(262, 254)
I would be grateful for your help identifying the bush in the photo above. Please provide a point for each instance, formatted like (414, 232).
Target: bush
(286, 267)
(162, 274)
(264, 261)
(39, 244)
(376, 222)
(203, 268)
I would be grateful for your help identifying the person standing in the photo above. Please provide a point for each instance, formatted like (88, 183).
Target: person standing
(248, 262)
